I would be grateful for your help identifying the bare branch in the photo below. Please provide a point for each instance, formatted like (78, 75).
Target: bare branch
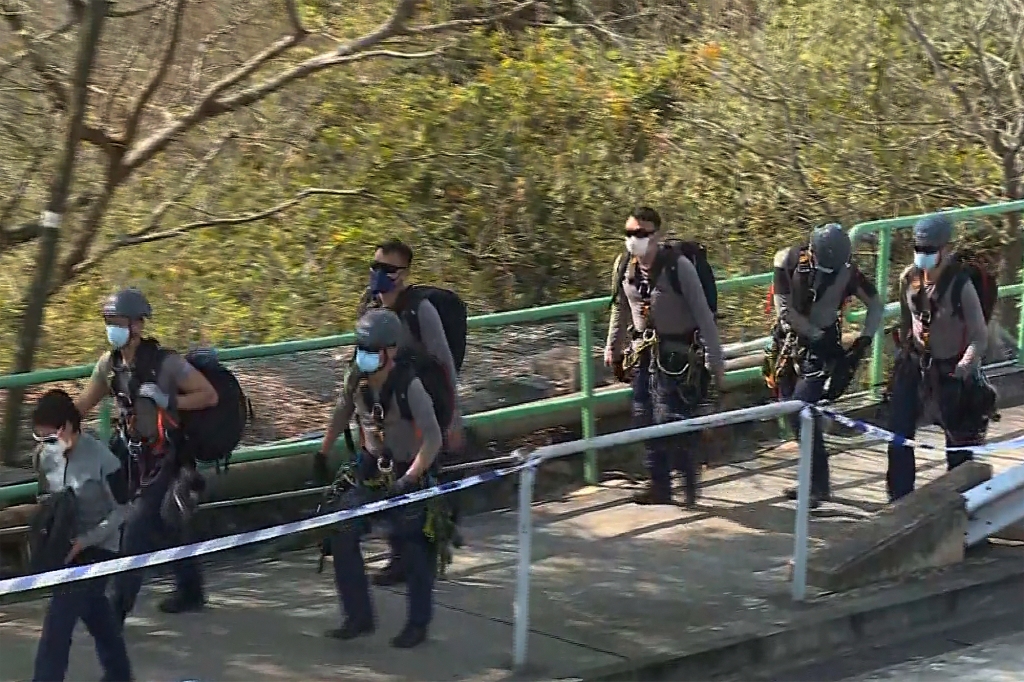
(229, 221)
(184, 187)
(13, 16)
(132, 125)
(293, 16)
(8, 208)
(210, 105)
(941, 72)
(126, 13)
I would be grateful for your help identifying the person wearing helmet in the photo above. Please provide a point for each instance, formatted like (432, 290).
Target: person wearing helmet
(942, 340)
(812, 283)
(425, 332)
(401, 440)
(149, 396)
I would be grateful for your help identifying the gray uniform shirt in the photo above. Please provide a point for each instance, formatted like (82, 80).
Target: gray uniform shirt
(86, 469)
(828, 305)
(173, 370)
(670, 313)
(951, 337)
(402, 438)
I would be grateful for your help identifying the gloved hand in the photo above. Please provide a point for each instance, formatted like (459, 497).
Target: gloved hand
(153, 392)
(321, 476)
(859, 348)
(964, 370)
(402, 486)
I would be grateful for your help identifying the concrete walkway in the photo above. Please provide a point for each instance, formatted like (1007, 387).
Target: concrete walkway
(611, 581)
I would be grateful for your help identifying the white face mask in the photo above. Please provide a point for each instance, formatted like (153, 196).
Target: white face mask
(638, 245)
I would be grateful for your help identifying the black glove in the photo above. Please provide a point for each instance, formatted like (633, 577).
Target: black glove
(859, 348)
(402, 485)
(321, 476)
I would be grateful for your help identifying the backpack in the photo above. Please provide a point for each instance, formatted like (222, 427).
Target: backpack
(450, 308)
(432, 375)
(52, 531)
(669, 252)
(972, 267)
(213, 433)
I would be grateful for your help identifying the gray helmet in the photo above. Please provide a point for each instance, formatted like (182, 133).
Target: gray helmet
(378, 328)
(130, 303)
(831, 246)
(934, 230)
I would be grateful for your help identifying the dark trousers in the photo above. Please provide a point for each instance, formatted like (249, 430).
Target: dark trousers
(809, 390)
(904, 412)
(85, 600)
(145, 531)
(416, 552)
(417, 555)
(657, 400)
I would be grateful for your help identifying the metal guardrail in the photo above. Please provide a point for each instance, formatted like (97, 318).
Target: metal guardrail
(588, 398)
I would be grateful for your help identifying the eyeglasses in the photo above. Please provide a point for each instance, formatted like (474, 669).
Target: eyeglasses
(51, 438)
(364, 349)
(926, 248)
(386, 267)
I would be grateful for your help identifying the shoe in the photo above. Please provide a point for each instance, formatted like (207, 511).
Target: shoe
(650, 496)
(178, 603)
(410, 636)
(816, 498)
(392, 574)
(457, 540)
(350, 630)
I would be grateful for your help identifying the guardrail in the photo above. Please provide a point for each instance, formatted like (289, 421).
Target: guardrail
(584, 310)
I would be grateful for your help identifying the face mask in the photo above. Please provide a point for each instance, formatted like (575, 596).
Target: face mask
(118, 336)
(381, 282)
(637, 245)
(926, 261)
(367, 362)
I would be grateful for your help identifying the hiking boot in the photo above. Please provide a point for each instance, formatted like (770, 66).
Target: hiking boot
(392, 574)
(350, 630)
(180, 603)
(410, 636)
(816, 497)
(649, 496)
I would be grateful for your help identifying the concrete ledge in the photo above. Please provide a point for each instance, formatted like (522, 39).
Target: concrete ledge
(890, 614)
(923, 530)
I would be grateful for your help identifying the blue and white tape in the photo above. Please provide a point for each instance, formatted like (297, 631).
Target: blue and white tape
(896, 439)
(164, 556)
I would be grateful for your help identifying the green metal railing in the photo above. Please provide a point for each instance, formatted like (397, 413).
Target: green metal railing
(587, 400)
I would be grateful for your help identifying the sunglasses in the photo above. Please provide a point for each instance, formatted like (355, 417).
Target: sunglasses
(365, 349)
(377, 266)
(926, 248)
(639, 233)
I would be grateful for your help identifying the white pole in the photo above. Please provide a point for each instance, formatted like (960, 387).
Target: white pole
(803, 493)
(521, 608)
(991, 490)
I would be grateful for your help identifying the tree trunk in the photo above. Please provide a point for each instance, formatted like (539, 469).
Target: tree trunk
(1013, 249)
(35, 300)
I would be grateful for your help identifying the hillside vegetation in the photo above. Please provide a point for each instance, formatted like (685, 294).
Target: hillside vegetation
(239, 158)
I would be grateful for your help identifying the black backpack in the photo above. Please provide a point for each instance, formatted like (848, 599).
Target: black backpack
(52, 531)
(213, 433)
(669, 252)
(450, 308)
(970, 267)
(432, 375)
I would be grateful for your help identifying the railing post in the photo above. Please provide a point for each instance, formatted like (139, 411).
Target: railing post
(803, 504)
(1020, 321)
(104, 428)
(882, 283)
(585, 321)
(521, 607)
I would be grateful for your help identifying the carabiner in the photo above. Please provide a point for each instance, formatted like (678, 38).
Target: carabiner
(385, 465)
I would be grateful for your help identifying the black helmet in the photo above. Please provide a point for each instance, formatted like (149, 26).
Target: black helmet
(378, 328)
(831, 246)
(129, 303)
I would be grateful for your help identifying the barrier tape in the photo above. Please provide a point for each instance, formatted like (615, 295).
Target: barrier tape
(111, 566)
(896, 439)
(164, 556)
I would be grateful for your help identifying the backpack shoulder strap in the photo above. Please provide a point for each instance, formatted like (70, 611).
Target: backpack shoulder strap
(408, 306)
(397, 385)
(618, 274)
